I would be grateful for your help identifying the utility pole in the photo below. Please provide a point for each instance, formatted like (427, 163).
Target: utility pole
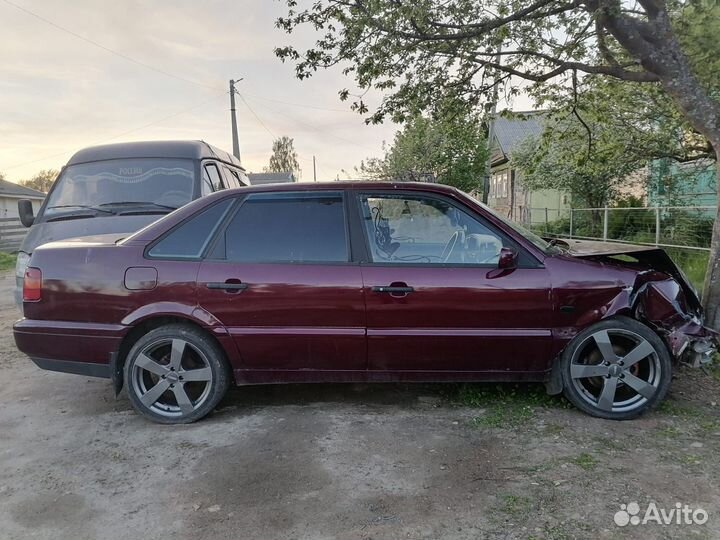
(491, 130)
(235, 143)
(314, 170)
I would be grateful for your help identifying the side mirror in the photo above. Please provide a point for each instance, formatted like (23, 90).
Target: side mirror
(25, 210)
(508, 258)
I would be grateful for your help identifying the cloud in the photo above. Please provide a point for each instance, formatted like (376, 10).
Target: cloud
(61, 93)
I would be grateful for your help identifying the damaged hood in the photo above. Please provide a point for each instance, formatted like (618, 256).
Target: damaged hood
(640, 258)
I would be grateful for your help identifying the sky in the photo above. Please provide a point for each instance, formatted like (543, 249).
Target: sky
(61, 89)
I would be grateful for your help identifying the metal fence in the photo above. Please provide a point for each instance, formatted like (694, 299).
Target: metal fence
(684, 227)
(12, 233)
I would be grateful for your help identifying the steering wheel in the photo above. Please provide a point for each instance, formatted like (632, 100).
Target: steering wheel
(174, 198)
(456, 240)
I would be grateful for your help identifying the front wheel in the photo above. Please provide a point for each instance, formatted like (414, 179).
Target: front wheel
(176, 374)
(616, 369)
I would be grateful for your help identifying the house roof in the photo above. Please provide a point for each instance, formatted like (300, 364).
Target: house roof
(10, 189)
(259, 179)
(510, 132)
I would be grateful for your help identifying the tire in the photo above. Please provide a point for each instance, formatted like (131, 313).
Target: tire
(176, 374)
(616, 369)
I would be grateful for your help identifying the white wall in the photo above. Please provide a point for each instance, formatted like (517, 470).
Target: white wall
(9, 209)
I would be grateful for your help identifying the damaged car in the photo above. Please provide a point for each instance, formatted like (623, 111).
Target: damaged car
(357, 282)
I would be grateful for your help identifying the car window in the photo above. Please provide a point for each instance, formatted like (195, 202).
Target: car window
(212, 175)
(230, 178)
(421, 229)
(189, 239)
(291, 228)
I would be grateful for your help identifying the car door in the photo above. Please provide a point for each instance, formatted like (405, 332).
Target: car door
(279, 278)
(436, 300)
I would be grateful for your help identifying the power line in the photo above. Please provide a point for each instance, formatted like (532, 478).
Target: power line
(301, 105)
(139, 128)
(320, 130)
(108, 49)
(256, 116)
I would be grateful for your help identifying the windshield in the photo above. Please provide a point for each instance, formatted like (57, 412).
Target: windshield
(157, 181)
(544, 245)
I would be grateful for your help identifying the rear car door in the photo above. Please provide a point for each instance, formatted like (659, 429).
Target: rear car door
(436, 300)
(279, 278)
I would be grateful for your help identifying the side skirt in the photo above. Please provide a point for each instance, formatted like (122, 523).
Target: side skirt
(278, 376)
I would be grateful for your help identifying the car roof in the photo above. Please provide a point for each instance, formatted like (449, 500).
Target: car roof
(347, 184)
(153, 149)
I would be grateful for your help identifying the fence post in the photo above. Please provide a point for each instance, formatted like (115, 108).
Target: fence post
(657, 225)
(546, 220)
(605, 223)
(571, 222)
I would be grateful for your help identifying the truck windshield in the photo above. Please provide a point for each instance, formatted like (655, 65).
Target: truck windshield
(156, 181)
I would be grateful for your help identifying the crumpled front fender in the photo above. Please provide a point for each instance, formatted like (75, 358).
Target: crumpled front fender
(661, 303)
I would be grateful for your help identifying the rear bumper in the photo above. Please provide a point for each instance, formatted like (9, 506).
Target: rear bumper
(88, 369)
(70, 347)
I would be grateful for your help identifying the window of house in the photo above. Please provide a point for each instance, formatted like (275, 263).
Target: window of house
(188, 240)
(499, 184)
(420, 229)
(287, 227)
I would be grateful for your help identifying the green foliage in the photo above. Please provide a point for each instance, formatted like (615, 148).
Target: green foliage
(7, 261)
(506, 405)
(450, 147)
(586, 461)
(42, 181)
(584, 157)
(284, 157)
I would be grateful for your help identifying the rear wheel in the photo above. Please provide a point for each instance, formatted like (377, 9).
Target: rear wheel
(616, 369)
(176, 374)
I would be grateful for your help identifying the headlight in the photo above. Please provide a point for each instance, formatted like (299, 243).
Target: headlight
(23, 259)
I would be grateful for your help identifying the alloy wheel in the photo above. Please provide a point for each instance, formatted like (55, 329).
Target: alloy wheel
(616, 370)
(171, 377)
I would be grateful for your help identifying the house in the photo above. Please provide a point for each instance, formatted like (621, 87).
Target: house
(506, 192)
(672, 183)
(11, 193)
(260, 179)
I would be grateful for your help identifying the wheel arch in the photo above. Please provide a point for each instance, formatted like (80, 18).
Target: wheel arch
(144, 325)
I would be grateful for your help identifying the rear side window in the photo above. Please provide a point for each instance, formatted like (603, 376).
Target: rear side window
(188, 240)
(287, 228)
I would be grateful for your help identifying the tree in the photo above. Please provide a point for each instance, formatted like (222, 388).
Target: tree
(42, 181)
(420, 52)
(450, 148)
(560, 159)
(284, 157)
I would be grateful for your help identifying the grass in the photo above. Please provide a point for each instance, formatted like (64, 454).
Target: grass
(506, 405)
(585, 461)
(516, 506)
(692, 263)
(7, 261)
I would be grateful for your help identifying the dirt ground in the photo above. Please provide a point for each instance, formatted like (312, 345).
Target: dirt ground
(345, 461)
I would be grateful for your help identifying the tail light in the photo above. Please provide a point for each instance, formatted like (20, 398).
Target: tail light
(32, 285)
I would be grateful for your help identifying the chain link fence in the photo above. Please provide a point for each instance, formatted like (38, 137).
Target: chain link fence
(682, 227)
(683, 231)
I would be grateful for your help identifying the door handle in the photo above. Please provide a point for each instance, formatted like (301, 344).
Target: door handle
(396, 289)
(228, 286)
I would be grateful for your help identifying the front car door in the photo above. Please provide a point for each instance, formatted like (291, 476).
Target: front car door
(436, 300)
(280, 279)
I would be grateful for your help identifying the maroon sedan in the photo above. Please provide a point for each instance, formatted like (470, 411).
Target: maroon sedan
(348, 282)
